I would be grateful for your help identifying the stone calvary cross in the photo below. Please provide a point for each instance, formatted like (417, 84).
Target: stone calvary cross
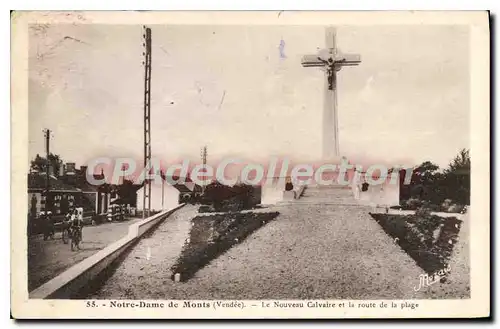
(332, 59)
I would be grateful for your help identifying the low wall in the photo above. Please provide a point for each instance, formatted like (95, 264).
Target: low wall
(73, 280)
(299, 191)
(296, 193)
(385, 194)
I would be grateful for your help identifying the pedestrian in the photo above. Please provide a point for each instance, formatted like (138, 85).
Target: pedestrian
(48, 226)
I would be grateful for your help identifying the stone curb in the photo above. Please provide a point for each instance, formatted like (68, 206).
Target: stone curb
(71, 281)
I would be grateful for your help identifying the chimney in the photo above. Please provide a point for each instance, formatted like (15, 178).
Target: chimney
(61, 168)
(70, 168)
(83, 171)
(51, 170)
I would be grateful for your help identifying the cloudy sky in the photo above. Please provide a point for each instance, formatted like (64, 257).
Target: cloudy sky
(229, 87)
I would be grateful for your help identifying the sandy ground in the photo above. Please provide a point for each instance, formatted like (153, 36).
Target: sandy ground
(308, 252)
(47, 259)
(458, 281)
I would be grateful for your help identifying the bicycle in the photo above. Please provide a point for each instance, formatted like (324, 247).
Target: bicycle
(66, 232)
(48, 230)
(76, 237)
(48, 233)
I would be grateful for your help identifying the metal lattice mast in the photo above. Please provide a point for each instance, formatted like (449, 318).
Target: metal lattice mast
(146, 202)
(204, 160)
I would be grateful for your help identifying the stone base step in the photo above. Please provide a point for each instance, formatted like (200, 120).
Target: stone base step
(320, 203)
(329, 194)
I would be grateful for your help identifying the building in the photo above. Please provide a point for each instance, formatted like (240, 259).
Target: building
(70, 188)
(125, 194)
(166, 196)
(162, 197)
(61, 195)
(96, 198)
(188, 190)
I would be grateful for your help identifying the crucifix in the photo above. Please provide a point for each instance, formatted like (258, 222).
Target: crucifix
(332, 60)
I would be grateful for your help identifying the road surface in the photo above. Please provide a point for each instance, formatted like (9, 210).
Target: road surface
(47, 259)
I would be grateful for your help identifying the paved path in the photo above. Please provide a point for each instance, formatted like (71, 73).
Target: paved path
(147, 268)
(47, 259)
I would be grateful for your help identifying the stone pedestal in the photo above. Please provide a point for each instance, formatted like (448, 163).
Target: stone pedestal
(288, 195)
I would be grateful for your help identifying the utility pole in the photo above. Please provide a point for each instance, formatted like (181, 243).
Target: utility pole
(162, 174)
(123, 173)
(146, 202)
(204, 161)
(48, 205)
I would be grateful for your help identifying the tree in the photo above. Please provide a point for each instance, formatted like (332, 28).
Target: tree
(430, 185)
(40, 163)
(460, 164)
(424, 182)
(426, 171)
(457, 178)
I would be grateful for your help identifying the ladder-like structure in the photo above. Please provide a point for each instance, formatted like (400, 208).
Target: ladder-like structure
(204, 161)
(146, 205)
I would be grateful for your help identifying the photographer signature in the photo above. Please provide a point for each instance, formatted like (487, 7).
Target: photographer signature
(426, 281)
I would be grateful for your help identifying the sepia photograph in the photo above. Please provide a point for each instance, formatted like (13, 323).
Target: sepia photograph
(251, 163)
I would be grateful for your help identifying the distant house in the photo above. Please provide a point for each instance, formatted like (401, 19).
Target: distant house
(187, 190)
(94, 197)
(166, 196)
(126, 193)
(162, 197)
(63, 196)
(70, 188)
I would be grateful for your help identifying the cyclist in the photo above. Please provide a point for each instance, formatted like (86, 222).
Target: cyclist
(77, 221)
(67, 222)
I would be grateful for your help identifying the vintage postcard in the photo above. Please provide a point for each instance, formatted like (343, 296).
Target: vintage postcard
(278, 165)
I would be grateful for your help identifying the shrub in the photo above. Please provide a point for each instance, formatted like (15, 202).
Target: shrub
(430, 206)
(205, 208)
(229, 198)
(412, 204)
(455, 208)
(424, 212)
(416, 236)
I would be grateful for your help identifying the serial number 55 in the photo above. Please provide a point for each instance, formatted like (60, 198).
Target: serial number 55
(91, 303)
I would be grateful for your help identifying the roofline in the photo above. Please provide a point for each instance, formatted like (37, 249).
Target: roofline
(42, 190)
